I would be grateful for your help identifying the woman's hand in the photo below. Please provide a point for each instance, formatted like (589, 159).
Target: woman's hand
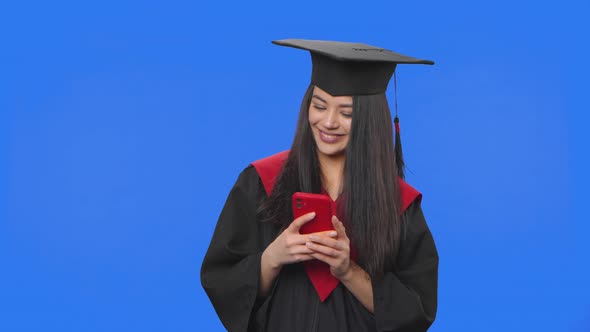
(289, 247)
(333, 251)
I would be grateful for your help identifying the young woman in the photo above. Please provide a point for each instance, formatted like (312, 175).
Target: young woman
(378, 269)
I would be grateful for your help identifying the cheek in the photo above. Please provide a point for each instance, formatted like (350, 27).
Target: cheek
(347, 125)
(313, 118)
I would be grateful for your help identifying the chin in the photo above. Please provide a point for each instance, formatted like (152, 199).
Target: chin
(331, 151)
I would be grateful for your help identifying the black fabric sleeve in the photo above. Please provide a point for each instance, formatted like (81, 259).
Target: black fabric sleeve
(231, 268)
(406, 300)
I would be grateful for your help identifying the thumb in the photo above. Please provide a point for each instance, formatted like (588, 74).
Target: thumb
(338, 226)
(297, 223)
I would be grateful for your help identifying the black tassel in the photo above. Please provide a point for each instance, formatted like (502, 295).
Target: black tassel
(399, 159)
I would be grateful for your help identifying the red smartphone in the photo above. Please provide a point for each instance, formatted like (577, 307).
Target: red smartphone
(304, 203)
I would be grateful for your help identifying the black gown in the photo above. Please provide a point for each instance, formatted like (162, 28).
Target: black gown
(404, 299)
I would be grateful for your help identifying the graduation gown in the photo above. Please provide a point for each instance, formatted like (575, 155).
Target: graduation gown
(405, 299)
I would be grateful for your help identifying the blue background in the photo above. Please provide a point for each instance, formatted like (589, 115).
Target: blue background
(123, 126)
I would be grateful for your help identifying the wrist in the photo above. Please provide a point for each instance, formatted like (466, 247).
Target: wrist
(348, 275)
(268, 259)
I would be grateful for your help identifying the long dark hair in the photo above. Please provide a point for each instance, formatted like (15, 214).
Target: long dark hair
(370, 204)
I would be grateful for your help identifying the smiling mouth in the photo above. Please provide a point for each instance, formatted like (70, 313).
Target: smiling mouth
(329, 138)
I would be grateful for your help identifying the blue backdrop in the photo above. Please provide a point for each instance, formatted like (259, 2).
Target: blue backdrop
(123, 126)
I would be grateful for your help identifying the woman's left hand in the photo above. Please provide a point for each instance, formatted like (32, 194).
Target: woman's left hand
(333, 251)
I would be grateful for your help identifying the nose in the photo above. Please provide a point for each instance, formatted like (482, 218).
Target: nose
(331, 120)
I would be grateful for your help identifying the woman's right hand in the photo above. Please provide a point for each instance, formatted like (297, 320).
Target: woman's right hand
(289, 247)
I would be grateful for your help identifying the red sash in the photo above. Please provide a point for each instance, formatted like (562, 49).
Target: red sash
(318, 272)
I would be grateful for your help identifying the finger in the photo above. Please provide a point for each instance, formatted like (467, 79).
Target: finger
(297, 223)
(326, 241)
(297, 239)
(339, 226)
(327, 251)
(302, 249)
(325, 233)
(326, 259)
(302, 258)
(294, 240)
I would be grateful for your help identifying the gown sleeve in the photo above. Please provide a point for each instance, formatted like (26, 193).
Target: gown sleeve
(406, 300)
(231, 267)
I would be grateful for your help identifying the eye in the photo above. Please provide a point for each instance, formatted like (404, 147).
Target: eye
(318, 107)
(346, 114)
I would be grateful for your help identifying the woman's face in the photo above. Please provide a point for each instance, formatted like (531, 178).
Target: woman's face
(330, 119)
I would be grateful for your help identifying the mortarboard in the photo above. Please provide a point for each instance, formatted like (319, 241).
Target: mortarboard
(346, 69)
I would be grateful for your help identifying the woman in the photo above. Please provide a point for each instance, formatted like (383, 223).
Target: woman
(378, 269)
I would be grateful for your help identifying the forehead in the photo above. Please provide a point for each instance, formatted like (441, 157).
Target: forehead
(329, 98)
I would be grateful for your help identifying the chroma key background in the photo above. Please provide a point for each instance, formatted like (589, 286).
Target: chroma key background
(124, 124)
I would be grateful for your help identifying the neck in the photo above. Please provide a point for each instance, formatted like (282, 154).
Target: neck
(332, 172)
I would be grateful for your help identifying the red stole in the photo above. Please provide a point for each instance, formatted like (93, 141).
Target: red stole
(318, 272)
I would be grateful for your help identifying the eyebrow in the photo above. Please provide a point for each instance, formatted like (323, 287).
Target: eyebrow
(322, 99)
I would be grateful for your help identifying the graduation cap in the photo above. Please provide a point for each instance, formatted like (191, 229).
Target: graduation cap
(348, 69)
